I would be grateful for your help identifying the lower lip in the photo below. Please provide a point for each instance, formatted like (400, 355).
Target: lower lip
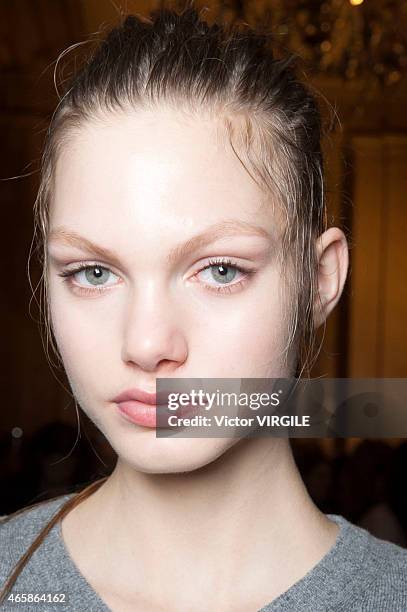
(146, 414)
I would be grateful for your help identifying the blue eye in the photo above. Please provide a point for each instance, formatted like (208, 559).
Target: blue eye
(89, 276)
(220, 272)
(96, 275)
(223, 272)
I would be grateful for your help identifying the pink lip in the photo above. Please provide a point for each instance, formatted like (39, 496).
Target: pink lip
(145, 397)
(139, 413)
(141, 407)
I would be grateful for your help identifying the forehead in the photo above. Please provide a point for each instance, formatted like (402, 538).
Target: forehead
(153, 166)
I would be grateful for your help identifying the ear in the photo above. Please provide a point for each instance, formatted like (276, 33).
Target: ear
(333, 262)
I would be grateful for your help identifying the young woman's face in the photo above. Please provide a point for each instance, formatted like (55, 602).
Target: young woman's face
(143, 186)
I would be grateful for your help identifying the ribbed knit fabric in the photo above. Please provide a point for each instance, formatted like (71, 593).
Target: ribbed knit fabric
(360, 572)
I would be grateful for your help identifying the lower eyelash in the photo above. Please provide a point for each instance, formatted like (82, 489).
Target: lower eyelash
(226, 288)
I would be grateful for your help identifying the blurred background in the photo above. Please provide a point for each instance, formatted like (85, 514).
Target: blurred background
(354, 55)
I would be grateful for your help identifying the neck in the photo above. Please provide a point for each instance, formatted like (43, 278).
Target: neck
(245, 514)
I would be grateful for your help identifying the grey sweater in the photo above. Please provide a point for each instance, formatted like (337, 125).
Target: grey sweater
(359, 573)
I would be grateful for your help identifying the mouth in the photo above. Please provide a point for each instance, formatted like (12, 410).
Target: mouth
(149, 415)
(144, 397)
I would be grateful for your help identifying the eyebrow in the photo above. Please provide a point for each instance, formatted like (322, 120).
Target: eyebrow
(222, 229)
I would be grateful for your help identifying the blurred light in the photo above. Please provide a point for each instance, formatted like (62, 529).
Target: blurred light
(340, 41)
(311, 29)
(394, 77)
(17, 432)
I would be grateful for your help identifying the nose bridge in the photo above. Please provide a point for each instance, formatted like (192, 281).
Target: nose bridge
(148, 306)
(152, 331)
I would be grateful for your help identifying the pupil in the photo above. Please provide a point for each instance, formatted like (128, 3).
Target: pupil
(97, 272)
(222, 270)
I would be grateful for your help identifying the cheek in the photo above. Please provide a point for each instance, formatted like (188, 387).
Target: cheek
(247, 339)
(84, 337)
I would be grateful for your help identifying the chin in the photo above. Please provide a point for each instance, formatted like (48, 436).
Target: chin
(138, 447)
(152, 455)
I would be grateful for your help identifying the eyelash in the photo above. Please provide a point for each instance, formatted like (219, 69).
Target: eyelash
(228, 263)
(68, 274)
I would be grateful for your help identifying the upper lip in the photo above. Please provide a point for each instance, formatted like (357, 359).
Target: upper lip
(142, 396)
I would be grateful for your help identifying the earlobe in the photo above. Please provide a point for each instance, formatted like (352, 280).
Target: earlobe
(333, 261)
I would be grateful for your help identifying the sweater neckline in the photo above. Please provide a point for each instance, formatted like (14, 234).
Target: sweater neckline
(328, 580)
(334, 578)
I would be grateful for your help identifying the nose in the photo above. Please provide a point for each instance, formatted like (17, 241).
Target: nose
(152, 338)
